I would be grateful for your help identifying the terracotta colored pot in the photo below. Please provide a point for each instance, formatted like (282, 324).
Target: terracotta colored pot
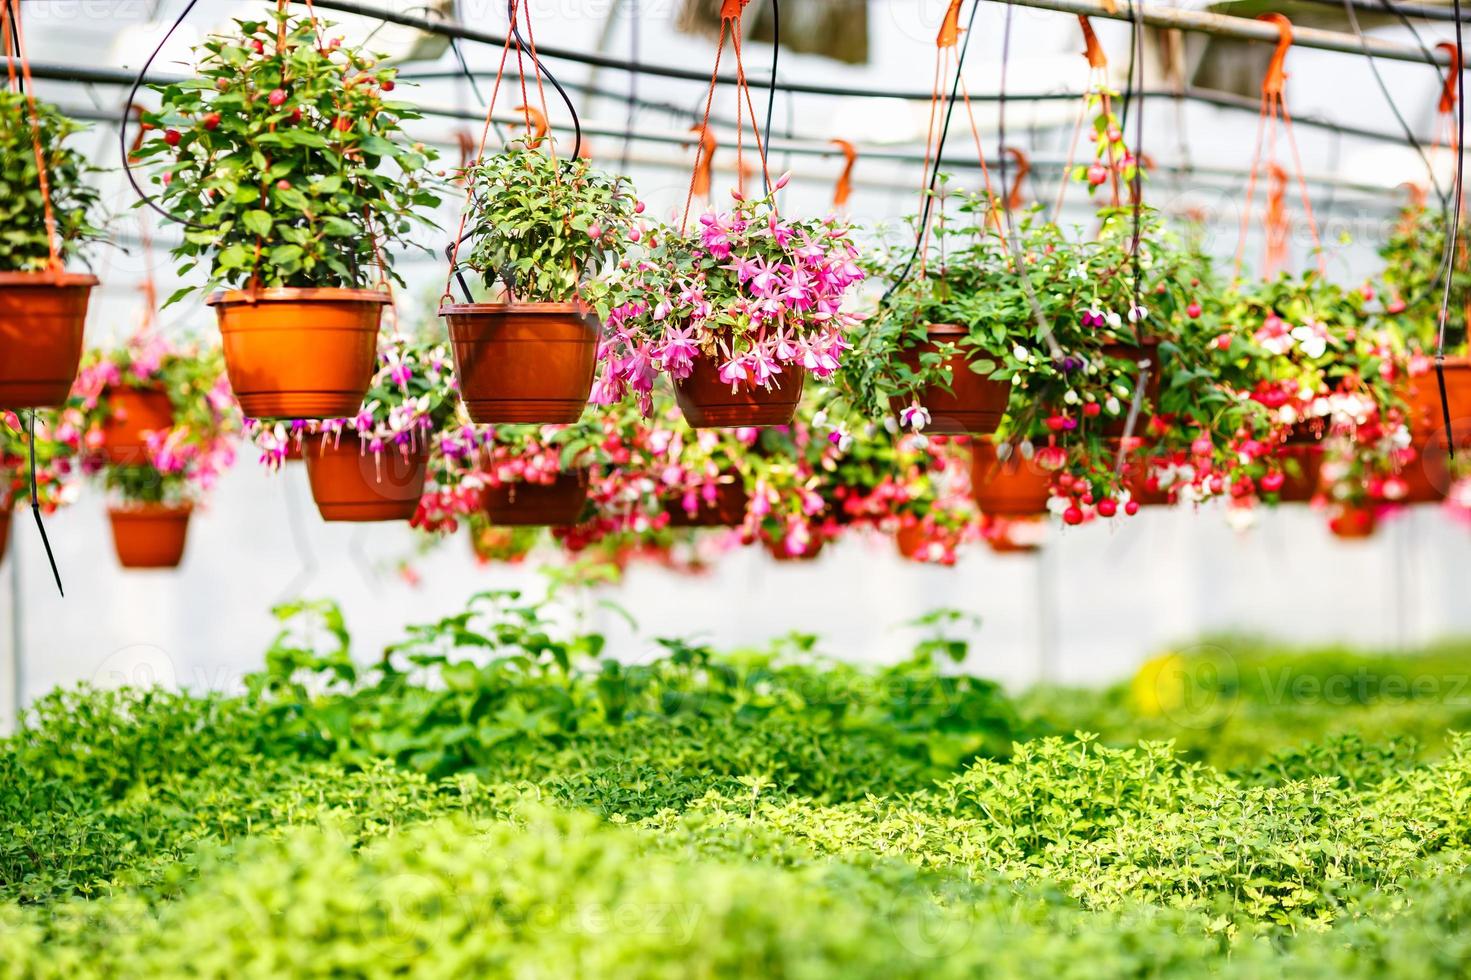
(1429, 475)
(1006, 546)
(709, 403)
(134, 411)
(1153, 385)
(973, 404)
(910, 539)
(523, 362)
(556, 504)
(352, 484)
(1017, 487)
(150, 535)
(1301, 486)
(778, 549)
(1353, 523)
(41, 318)
(300, 353)
(728, 509)
(4, 531)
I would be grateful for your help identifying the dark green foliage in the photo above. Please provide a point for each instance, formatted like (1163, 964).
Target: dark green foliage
(490, 799)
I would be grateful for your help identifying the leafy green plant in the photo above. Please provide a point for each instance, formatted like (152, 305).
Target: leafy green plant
(545, 227)
(276, 154)
(24, 237)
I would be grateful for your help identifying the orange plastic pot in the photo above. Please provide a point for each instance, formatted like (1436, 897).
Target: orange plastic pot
(150, 535)
(1014, 487)
(556, 504)
(1006, 546)
(1429, 475)
(1302, 469)
(709, 403)
(41, 319)
(973, 403)
(1353, 523)
(523, 362)
(134, 412)
(349, 483)
(778, 548)
(300, 353)
(727, 510)
(1153, 385)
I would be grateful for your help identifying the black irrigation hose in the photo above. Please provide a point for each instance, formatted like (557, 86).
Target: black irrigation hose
(1455, 230)
(939, 156)
(1353, 23)
(15, 52)
(122, 129)
(771, 91)
(541, 66)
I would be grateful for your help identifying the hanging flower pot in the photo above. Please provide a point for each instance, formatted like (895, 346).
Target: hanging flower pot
(150, 535)
(1429, 475)
(523, 362)
(910, 539)
(351, 483)
(710, 403)
(1300, 472)
(41, 318)
(781, 550)
(133, 412)
(299, 353)
(526, 504)
(1014, 487)
(727, 509)
(1353, 523)
(973, 403)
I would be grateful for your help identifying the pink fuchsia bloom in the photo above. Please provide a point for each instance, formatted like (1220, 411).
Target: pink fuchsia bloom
(678, 352)
(715, 234)
(733, 371)
(764, 367)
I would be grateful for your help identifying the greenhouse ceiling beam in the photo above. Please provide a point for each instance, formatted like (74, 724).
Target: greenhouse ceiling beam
(1225, 100)
(1240, 28)
(1200, 21)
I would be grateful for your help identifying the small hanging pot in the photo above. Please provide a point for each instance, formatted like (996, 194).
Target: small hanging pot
(1014, 487)
(1429, 476)
(556, 504)
(134, 412)
(709, 403)
(150, 535)
(41, 319)
(777, 548)
(525, 363)
(972, 404)
(728, 509)
(300, 353)
(350, 483)
(1353, 523)
(1302, 468)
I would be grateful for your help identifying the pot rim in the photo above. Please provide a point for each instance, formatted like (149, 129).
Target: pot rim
(47, 278)
(150, 510)
(296, 294)
(492, 309)
(946, 329)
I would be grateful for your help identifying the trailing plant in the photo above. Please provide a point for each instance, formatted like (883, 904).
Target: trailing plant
(285, 155)
(74, 201)
(757, 294)
(58, 469)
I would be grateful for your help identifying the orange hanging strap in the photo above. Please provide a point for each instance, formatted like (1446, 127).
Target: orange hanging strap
(1452, 77)
(1274, 109)
(536, 124)
(704, 157)
(11, 22)
(1023, 167)
(1092, 50)
(454, 249)
(950, 28)
(731, 12)
(844, 187)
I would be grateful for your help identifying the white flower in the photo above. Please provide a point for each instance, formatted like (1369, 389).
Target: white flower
(1137, 313)
(1114, 320)
(1019, 352)
(1111, 405)
(1071, 397)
